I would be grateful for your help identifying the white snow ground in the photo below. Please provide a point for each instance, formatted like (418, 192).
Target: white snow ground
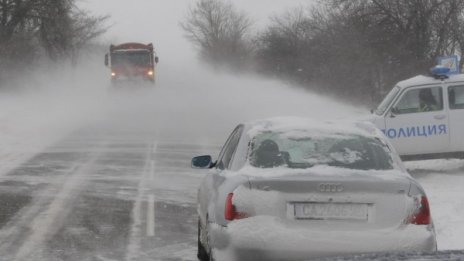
(443, 181)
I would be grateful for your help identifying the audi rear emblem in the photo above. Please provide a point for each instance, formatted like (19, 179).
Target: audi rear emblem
(330, 187)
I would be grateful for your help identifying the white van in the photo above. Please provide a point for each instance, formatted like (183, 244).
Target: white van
(424, 117)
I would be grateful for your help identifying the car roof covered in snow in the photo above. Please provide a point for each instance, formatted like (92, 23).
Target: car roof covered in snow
(426, 80)
(312, 127)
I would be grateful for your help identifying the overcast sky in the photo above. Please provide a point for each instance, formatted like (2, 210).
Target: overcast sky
(157, 21)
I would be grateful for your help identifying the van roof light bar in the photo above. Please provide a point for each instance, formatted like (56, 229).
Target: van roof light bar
(440, 72)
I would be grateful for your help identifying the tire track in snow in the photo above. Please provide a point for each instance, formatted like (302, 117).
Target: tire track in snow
(26, 234)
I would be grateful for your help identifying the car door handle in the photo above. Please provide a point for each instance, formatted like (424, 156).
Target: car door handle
(440, 117)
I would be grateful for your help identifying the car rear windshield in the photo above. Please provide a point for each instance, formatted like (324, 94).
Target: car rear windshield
(301, 150)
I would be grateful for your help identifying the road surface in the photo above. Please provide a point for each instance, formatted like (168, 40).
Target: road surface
(113, 190)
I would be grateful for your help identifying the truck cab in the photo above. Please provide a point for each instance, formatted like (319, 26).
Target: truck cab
(132, 61)
(424, 117)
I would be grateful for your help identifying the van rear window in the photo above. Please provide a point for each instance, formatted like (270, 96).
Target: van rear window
(456, 97)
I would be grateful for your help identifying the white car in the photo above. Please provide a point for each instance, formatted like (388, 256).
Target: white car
(293, 189)
(424, 117)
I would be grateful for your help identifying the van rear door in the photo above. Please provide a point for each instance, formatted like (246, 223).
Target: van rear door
(456, 116)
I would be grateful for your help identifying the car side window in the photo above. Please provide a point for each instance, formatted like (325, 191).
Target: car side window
(456, 97)
(420, 100)
(228, 151)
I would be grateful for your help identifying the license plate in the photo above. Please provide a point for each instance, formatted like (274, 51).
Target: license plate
(341, 211)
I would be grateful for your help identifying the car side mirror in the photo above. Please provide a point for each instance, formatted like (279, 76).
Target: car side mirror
(156, 59)
(202, 162)
(106, 60)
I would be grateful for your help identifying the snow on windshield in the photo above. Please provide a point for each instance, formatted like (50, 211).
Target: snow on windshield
(295, 150)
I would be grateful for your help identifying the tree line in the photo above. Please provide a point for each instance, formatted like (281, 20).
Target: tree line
(34, 29)
(355, 49)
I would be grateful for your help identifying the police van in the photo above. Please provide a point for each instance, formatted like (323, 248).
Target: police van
(424, 116)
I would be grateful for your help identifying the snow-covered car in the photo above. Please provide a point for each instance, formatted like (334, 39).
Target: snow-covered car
(294, 188)
(424, 116)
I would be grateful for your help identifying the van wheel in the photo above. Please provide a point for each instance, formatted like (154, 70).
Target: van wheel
(202, 254)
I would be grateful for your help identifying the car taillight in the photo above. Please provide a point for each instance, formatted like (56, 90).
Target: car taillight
(421, 215)
(230, 212)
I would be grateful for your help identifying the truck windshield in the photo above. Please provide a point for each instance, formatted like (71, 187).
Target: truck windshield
(139, 58)
(387, 101)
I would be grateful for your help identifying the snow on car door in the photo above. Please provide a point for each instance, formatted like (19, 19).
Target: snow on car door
(456, 116)
(418, 122)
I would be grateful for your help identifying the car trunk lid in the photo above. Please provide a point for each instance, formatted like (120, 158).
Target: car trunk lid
(360, 199)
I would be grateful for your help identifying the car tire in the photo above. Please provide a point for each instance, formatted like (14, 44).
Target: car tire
(202, 254)
(210, 251)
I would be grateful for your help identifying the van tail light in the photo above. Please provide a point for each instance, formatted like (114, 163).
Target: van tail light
(230, 212)
(421, 213)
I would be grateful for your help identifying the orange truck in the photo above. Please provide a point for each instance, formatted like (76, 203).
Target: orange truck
(131, 61)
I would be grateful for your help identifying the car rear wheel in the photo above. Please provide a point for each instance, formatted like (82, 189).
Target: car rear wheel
(202, 254)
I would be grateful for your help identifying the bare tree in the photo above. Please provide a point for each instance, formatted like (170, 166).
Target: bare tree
(218, 30)
(84, 29)
(358, 49)
(282, 46)
(64, 29)
(56, 28)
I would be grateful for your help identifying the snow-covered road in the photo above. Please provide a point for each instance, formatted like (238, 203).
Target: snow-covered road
(443, 181)
(105, 175)
(102, 194)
